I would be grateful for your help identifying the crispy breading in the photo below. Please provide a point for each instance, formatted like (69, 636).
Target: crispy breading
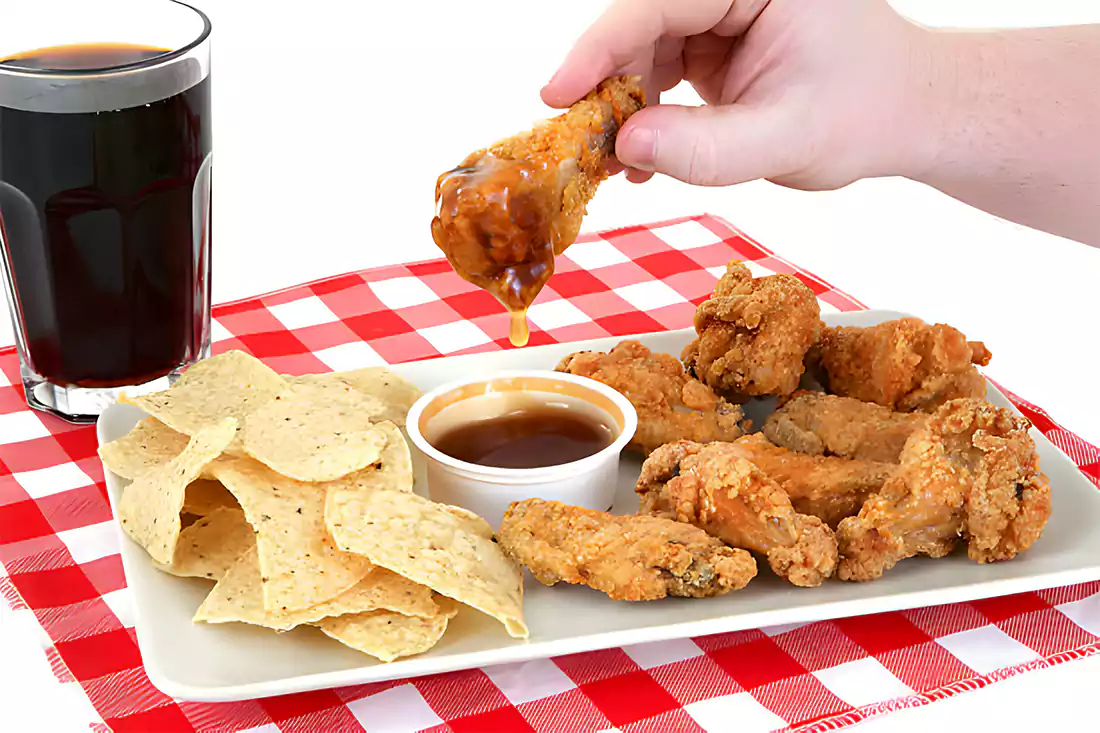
(972, 473)
(507, 210)
(631, 558)
(820, 424)
(714, 488)
(671, 405)
(753, 334)
(828, 487)
(905, 364)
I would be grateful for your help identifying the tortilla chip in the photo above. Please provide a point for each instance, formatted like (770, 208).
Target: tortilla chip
(149, 509)
(210, 546)
(301, 566)
(395, 470)
(446, 548)
(205, 496)
(388, 636)
(397, 393)
(150, 444)
(238, 597)
(315, 432)
(232, 384)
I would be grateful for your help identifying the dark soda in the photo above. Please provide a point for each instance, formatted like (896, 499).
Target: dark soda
(105, 222)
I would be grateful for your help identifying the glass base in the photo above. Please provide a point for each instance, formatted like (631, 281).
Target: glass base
(83, 404)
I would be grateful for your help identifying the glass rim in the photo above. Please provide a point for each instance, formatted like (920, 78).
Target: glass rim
(157, 60)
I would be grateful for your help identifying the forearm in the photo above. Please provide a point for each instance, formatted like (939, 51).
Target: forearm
(1015, 117)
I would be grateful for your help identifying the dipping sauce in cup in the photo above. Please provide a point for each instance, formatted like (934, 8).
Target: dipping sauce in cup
(491, 441)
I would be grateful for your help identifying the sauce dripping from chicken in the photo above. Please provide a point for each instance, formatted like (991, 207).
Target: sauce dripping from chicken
(507, 211)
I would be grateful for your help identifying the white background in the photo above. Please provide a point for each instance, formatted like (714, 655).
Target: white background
(333, 119)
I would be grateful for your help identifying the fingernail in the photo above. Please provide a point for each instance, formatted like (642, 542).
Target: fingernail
(553, 79)
(637, 147)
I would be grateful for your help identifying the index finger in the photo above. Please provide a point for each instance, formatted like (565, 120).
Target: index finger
(622, 41)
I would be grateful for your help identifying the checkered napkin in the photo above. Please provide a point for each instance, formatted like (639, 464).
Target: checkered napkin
(59, 557)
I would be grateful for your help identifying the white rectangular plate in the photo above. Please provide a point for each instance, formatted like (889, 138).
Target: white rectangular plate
(235, 661)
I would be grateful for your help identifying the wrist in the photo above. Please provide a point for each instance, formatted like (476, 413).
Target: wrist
(947, 123)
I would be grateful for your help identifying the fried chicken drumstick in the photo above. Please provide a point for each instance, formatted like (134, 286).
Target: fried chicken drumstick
(971, 473)
(820, 424)
(633, 558)
(905, 365)
(753, 334)
(506, 211)
(712, 487)
(671, 405)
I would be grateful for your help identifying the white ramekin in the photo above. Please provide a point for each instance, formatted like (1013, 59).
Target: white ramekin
(487, 491)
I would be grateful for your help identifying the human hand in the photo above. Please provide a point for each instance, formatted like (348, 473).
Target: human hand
(811, 95)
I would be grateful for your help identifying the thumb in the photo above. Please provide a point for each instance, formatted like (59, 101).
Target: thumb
(707, 146)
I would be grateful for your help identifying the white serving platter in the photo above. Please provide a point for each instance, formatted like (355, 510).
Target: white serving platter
(235, 661)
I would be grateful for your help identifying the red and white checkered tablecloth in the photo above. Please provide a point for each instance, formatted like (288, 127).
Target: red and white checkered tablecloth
(59, 559)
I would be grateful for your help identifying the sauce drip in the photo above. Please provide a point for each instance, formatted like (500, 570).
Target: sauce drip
(548, 435)
(518, 331)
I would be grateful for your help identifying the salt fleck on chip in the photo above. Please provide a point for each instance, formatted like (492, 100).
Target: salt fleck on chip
(315, 432)
(395, 470)
(238, 597)
(210, 546)
(149, 509)
(232, 384)
(301, 565)
(150, 444)
(446, 548)
(388, 636)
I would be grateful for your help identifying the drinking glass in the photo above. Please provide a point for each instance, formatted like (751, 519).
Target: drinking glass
(105, 188)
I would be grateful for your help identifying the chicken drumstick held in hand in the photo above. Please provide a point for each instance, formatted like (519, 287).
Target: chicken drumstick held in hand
(506, 211)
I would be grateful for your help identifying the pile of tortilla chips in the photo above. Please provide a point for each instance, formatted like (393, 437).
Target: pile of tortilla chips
(295, 495)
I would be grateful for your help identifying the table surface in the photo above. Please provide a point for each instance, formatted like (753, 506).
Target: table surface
(333, 121)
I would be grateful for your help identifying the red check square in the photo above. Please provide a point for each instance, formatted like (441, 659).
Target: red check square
(95, 656)
(882, 632)
(756, 663)
(378, 325)
(49, 588)
(628, 698)
(301, 705)
(1006, 607)
(164, 719)
(22, 520)
(273, 343)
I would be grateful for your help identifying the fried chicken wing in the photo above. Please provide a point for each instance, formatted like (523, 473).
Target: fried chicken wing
(828, 487)
(506, 211)
(714, 488)
(671, 405)
(905, 364)
(753, 334)
(821, 424)
(971, 473)
(631, 558)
